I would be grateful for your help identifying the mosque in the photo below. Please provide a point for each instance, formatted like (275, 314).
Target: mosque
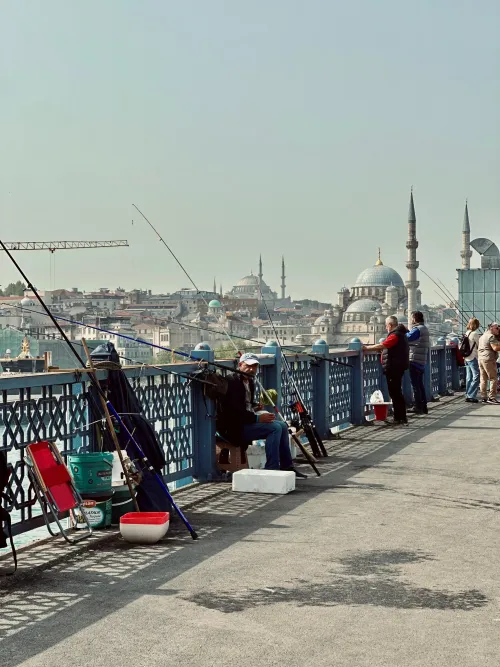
(378, 291)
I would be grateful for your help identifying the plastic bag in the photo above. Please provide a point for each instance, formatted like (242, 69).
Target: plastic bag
(377, 397)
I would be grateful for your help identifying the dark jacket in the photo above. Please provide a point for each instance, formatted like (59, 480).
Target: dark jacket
(232, 414)
(396, 359)
(419, 349)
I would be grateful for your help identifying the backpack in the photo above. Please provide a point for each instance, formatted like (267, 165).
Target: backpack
(465, 346)
(4, 515)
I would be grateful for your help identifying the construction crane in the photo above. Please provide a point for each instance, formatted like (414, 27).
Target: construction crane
(52, 246)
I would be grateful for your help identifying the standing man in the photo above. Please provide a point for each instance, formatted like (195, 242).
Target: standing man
(240, 422)
(395, 361)
(419, 341)
(488, 349)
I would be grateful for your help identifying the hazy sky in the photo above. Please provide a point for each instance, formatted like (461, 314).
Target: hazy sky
(290, 127)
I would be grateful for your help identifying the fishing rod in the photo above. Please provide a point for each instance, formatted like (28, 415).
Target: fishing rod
(259, 384)
(318, 357)
(136, 362)
(298, 404)
(93, 379)
(224, 367)
(445, 295)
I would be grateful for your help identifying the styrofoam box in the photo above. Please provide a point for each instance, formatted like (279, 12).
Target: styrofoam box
(264, 481)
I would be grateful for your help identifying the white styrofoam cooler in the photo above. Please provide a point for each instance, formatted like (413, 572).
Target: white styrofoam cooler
(264, 481)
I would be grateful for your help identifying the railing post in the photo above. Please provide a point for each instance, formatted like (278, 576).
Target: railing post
(321, 389)
(357, 397)
(204, 468)
(428, 377)
(443, 384)
(271, 375)
(455, 371)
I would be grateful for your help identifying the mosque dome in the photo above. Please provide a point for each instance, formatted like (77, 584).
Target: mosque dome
(26, 302)
(248, 280)
(363, 306)
(214, 304)
(392, 288)
(379, 276)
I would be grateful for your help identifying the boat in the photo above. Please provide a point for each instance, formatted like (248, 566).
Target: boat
(25, 362)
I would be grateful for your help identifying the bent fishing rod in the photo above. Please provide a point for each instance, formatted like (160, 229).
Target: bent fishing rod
(263, 389)
(298, 404)
(224, 367)
(95, 383)
(165, 322)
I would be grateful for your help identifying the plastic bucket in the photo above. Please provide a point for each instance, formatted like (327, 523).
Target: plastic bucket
(92, 472)
(97, 510)
(121, 504)
(380, 411)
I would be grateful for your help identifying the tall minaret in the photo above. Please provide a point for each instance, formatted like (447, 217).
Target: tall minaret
(215, 287)
(412, 264)
(283, 287)
(466, 252)
(260, 276)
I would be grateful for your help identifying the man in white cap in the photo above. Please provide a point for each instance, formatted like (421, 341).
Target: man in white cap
(239, 422)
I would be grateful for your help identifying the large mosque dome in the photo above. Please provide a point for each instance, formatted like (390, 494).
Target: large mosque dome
(379, 276)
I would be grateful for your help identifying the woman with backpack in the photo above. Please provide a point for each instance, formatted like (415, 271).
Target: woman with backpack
(469, 347)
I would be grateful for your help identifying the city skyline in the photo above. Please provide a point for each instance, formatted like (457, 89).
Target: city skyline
(242, 131)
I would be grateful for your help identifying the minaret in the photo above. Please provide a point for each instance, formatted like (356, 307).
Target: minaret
(260, 277)
(215, 287)
(466, 252)
(220, 293)
(412, 264)
(283, 287)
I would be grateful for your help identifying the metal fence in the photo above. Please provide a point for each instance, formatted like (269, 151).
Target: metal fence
(54, 406)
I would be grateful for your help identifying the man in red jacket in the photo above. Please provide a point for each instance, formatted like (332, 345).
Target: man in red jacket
(395, 361)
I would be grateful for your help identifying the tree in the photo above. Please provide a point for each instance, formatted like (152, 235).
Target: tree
(14, 289)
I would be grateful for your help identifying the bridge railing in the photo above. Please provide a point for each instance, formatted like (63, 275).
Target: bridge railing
(335, 387)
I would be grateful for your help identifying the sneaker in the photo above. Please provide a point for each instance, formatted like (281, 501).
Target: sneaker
(473, 400)
(401, 422)
(484, 400)
(493, 401)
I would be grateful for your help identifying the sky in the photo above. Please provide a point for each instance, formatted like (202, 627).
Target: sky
(273, 127)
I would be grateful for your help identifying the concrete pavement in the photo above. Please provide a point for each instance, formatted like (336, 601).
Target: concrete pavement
(390, 558)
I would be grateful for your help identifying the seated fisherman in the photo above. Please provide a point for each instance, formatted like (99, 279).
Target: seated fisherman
(239, 423)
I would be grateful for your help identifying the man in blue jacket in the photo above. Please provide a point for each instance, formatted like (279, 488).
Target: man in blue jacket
(419, 341)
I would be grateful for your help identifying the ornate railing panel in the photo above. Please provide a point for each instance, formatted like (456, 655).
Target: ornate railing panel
(56, 412)
(435, 371)
(340, 393)
(167, 403)
(301, 372)
(372, 375)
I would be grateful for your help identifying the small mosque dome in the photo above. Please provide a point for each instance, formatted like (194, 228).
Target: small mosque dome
(363, 306)
(214, 304)
(392, 288)
(26, 302)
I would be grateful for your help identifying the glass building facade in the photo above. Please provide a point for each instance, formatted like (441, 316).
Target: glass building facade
(479, 294)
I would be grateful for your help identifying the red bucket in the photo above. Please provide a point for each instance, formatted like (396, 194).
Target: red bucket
(380, 411)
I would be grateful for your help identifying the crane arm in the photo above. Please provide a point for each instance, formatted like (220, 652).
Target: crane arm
(61, 245)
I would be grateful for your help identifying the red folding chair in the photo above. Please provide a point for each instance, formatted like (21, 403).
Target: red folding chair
(54, 489)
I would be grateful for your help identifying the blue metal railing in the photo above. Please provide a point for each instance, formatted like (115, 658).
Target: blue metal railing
(54, 406)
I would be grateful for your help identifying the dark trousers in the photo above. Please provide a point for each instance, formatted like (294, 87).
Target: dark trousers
(394, 386)
(417, 383)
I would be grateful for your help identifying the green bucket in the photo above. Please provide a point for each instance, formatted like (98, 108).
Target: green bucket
(92, 472)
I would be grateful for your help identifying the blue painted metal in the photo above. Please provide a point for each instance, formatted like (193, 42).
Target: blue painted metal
(55, 406)
(340, 381)
(320, 375)
(271, 372)
(204, 468)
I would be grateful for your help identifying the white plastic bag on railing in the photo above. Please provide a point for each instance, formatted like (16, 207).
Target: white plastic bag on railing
(377, 397)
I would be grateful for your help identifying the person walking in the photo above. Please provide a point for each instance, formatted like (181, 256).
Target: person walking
(395, 361)
(488, 349)
(471, 361)
(419, 341)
